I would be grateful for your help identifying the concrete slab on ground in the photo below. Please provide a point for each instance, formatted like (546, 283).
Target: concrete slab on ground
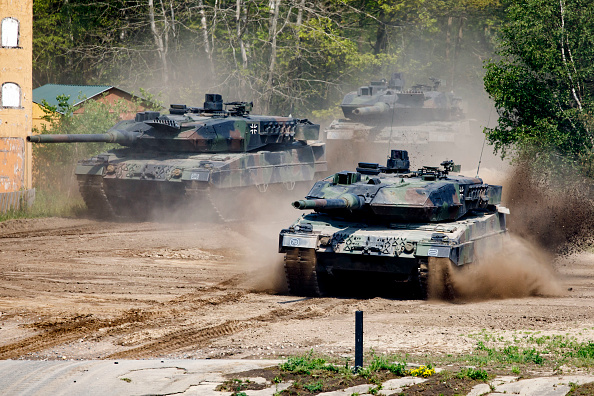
(121, 377)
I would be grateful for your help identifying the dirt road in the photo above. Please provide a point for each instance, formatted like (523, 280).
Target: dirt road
(81, 289)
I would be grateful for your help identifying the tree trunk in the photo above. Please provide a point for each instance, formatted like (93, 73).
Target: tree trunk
(241, 22)
(204, 28)
(456, 52)
(158, 37)
(380, 35)
(571, 82)
(275, 5)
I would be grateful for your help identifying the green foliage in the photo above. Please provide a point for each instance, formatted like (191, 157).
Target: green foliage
(530, 348)
(511, 354)
(381, 363)
(541, 83)
(289, 57)
(53, 163)
(307, 364)
(473, 373)
(48, 204)
(317, 386)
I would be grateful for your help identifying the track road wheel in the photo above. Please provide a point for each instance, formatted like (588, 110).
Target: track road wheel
(300, 270)
(423, 277)
(93, 193)
(440, 282)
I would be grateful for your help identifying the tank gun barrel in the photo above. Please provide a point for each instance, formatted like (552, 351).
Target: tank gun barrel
(113, 136)
(345, 201)
(377, 108)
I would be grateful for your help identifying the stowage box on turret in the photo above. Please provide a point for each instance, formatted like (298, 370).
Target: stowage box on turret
(197, 155)
(390, 226)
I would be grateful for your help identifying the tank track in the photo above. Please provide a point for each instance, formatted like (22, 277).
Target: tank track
(93, 193)
(423, 278)
(145, 202)
(300, 270)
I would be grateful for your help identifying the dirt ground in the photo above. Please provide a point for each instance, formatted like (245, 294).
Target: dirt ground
(83, 289)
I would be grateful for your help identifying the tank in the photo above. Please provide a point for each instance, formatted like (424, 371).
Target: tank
(383, 229)
(386, 112)
(206, 157)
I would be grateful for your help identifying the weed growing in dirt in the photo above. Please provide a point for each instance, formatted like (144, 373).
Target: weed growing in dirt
(472, 373)
(237, 386)
(381, 363)
(528, 348)
(314, 386)
(307, 364)
(313, 374)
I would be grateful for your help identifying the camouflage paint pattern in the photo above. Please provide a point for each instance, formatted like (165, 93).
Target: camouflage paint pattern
(196, 149)
(403, 218)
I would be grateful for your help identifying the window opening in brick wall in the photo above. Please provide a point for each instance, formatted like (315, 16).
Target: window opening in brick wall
(11, 95)
(10, 32)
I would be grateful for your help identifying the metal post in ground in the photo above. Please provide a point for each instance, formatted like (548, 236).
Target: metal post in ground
(358, 340)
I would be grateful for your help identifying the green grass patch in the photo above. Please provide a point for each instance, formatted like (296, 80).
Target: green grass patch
(49, 204)
(526, 349)
(307, 364)
(472, 373)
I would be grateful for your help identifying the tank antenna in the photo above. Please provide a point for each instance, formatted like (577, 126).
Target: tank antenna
(483, 148)
(391, 129)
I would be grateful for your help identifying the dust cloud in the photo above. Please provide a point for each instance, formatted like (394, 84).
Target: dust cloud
(263, 265)
(554, 213)
(516, 269)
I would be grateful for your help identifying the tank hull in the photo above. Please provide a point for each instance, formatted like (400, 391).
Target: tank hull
(337, 256)
(129, 183)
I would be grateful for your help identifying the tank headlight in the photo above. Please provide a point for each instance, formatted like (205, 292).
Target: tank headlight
(176, 172)
(409, 248)
(110, 168)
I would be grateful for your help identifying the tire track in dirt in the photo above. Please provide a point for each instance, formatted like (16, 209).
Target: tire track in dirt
(72, 329)
(67, 231)
(180, 340)
(63, 332)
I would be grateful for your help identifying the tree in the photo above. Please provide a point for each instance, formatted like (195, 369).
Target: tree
(543, 83)
(288, 56)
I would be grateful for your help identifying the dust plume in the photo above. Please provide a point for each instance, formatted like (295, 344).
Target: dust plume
(264, 266)
(517, 269)
(553, 213)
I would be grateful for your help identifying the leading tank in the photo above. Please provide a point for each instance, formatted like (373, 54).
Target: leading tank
(208, 157)
(384, 227)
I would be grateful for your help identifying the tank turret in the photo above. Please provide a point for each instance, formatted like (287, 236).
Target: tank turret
(382, 229)
(393, 193)
(194, 154)
(200, 129)
(389, 112)
(374, 104)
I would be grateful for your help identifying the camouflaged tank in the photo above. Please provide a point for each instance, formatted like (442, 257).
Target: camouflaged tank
(199, 156)
(383, 228)
(384, 111)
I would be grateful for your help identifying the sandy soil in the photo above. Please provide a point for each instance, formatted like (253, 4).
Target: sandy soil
(82, 289)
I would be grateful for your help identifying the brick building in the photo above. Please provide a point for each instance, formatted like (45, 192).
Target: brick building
(16, 65)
